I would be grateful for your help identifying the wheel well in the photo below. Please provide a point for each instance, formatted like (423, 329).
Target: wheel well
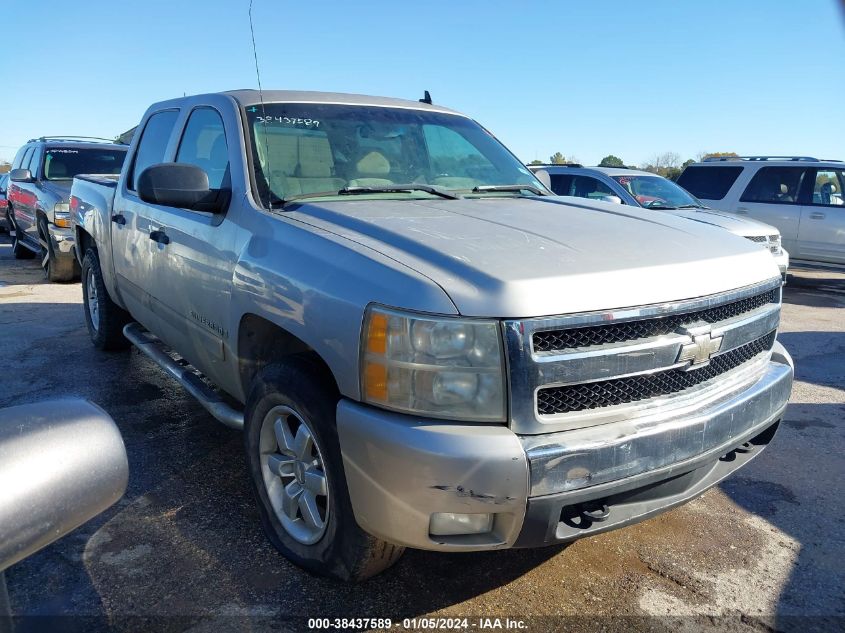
(261, 342)
(84, 241)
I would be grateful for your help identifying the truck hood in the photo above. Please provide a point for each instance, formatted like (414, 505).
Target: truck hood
(524, 257)
(745, 227)
(59, 189)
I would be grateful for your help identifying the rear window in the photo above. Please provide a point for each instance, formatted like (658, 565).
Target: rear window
(709, 183)
(63, 163)
(561, 184)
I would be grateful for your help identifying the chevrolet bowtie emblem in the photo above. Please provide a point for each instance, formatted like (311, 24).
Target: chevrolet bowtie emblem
(703, 346)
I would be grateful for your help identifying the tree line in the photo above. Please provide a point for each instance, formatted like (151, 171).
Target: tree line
(667, 164)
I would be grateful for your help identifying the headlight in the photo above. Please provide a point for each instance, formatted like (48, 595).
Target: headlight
(439, 367)
(61, 215)
(774, 244)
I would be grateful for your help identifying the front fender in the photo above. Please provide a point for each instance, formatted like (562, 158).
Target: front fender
(316, 285)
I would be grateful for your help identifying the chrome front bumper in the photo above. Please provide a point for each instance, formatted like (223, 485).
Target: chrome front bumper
(400, 470)
(63, 241)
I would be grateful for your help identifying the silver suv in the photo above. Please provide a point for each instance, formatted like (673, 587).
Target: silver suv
(650, 191)
(800, 195)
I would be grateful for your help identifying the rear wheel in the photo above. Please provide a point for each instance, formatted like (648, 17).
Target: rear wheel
(104, 318)
(296, 470)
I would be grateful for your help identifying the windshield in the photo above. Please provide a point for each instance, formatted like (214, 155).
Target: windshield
(63, 163)
(657, 192)
(301, 149)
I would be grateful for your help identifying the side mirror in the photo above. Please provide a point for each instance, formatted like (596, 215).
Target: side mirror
(62, 462)
(543, 176)
(179, 185)
(613, 199)
(20, 175)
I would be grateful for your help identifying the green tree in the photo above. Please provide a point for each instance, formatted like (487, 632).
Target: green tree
(611, 161)
(557, 159)
(702, 155)
(536, 162)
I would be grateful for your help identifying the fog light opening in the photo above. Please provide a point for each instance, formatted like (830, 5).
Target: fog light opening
(453, 524)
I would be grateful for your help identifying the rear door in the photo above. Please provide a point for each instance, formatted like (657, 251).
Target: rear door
(773, 196)
(137, 257)
(24, 199)
(821, 234)
(194, 294)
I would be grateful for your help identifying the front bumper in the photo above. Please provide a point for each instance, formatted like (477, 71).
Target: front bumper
(63, 242)
(549, 488)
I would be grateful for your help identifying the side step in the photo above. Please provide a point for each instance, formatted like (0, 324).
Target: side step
(211, 401)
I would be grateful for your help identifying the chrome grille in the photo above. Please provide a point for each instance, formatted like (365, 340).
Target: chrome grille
(559, 340)
(757, 238)
(571, 371)
(608, 393)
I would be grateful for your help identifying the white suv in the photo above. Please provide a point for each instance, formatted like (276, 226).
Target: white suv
(801, 196)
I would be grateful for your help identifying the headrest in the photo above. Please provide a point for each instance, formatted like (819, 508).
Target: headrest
(784, 189)
(373, 163)
(219, 153)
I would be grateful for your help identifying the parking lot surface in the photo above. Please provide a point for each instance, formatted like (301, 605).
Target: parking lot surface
(184, 548)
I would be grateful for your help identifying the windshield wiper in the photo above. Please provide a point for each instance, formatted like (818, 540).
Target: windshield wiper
(514, 188)
(353, 191)
(692, 206)
(660, 207)
(437, 191)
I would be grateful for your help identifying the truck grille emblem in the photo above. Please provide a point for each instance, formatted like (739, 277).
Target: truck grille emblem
(703, 346)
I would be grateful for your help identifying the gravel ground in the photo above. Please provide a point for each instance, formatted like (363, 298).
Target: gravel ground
(183, 550)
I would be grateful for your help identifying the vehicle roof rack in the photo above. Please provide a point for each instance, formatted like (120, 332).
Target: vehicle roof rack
(715, 159)
(72, 139)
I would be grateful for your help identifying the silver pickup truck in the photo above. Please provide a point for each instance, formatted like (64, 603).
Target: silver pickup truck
(424, 347)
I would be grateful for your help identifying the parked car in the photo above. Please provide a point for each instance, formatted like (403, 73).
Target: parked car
(424, 347)
(38, 211)
(800, 195)
(4, 205)
(650, 191)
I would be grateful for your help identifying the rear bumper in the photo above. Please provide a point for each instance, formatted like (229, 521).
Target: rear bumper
(400, 470)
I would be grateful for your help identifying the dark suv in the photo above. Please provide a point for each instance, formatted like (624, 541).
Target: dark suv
(38, 192)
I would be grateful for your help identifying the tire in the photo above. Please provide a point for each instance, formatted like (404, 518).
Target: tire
(103, 317)
(55, 269)
(18, 249)
(296, 393)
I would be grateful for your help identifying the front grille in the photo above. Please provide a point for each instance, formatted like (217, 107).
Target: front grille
(557, 340)
(757, 238)
(634, 388)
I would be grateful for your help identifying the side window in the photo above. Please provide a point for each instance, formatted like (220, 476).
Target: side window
(18, 161)
(27, 156)
(450, 154)
(561, 184)
(35, 160)
(709, 183)
(153, 143)
(775, 185)
(204, 144)
(587, 187)
(827, 189)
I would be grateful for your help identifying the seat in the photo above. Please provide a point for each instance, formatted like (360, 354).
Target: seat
(295, 164)
(372, 171)
(218, 162)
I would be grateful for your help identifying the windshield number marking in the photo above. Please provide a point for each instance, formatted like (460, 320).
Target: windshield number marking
(287, 120)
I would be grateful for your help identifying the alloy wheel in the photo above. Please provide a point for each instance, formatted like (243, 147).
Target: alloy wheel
(294, 474)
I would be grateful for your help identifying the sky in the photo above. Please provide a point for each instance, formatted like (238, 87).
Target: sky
(587, 79)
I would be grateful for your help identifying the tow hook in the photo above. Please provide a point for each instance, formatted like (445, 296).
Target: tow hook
(597, 515)
(745, 448)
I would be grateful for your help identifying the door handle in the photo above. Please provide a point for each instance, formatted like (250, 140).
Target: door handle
(118, 219)
(160, 237)
(817, 216)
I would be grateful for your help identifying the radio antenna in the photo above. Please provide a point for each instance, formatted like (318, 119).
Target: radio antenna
(263, 112)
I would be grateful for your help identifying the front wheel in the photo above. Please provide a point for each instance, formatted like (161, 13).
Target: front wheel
(54, 269)
(295, 467)
(104, 318)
